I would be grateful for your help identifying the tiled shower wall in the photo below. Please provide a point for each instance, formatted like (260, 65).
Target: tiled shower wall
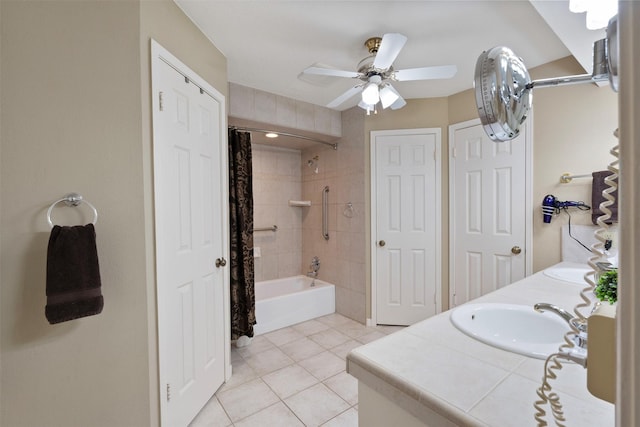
(276, 180)
(281, 175)
(342, 257)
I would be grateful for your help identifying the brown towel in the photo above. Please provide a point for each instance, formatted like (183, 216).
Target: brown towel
(596, 197)
(73, 276)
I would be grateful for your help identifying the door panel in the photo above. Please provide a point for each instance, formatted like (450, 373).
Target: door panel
(487, 196)
(189, 237)
(405, 225)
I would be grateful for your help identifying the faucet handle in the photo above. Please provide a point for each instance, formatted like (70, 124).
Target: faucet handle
(580, 325)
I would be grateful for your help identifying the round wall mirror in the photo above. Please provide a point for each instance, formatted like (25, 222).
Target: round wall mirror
(503, 93)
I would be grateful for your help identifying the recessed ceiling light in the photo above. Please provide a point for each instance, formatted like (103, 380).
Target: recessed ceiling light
(271, 135)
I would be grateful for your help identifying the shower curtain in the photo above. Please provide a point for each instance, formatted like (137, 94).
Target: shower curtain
(243, 315)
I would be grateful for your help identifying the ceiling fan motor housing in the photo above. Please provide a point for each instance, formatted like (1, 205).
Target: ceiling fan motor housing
(366, 67)
(373, 44)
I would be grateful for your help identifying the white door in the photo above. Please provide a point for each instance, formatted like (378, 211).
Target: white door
(189, 159)
(405, 221)
(488, 204)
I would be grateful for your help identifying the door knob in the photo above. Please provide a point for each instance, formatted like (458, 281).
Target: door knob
(382, 243)
(221, 262)
(516, 250)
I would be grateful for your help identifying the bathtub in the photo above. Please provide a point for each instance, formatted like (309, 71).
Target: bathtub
(290, 300)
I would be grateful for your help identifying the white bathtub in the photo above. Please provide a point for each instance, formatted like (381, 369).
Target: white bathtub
(290, 300)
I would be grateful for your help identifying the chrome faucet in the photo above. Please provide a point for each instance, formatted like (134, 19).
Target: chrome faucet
(314, 267)
(580, 325)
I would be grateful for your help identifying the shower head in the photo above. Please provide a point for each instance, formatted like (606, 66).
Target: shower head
(313, 164)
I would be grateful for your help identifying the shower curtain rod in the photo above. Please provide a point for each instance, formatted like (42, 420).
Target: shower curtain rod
(293, 135)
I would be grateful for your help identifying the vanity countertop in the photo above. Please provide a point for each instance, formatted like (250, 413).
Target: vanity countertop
(443, 377)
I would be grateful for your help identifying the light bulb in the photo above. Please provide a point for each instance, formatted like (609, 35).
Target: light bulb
(388, 96)
(599, 14)
(578, 6)
(598, 11)
(368, 107)
(371, 94)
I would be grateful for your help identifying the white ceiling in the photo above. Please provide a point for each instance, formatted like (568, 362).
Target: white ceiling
(268, 43)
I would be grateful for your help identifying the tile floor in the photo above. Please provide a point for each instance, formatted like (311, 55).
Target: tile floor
(294, 376)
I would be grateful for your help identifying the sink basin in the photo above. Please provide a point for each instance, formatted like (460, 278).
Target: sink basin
(516, 328)
(568, 274)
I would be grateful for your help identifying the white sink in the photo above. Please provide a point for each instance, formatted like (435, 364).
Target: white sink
(568, 273)
(516, 328)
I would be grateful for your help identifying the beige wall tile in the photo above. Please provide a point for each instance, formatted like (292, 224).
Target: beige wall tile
(265, 106)
(241, 101)
(350, 304)
(305, 116)
(277, 179)
(285, 111)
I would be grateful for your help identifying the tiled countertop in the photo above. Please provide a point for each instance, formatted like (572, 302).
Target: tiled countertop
(439, 374)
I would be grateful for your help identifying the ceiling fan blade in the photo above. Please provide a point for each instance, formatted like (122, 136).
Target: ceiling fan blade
(425, 73)
(331, 72)
(345, 96)
(390, 47)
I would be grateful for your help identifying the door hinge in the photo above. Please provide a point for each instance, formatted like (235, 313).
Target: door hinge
(161, 100)
(168, 392)
(454, 152)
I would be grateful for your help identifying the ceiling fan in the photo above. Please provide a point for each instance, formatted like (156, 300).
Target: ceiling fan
(376, 74)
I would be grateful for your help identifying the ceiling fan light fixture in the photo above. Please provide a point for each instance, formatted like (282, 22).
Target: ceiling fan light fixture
(371, 93)
(398, 104)
(388, 95)
(368, 107)
(598, 11)
(578, 6)
(376, 71)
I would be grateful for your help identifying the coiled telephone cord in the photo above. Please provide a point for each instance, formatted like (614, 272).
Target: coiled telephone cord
(566, 351)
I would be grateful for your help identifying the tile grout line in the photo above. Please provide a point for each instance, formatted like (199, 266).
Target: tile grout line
(331, 326)
(297, 363)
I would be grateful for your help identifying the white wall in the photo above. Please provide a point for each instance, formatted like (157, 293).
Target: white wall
(71, 122)
(572, 132)
(76, 116)
(628, 316)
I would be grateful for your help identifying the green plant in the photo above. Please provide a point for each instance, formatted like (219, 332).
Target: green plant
(607, 288)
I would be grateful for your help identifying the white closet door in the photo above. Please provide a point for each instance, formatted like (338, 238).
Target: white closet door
(406, 224)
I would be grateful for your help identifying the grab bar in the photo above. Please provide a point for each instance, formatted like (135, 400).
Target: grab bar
(566, 178)
(325, 213)
(273, 228)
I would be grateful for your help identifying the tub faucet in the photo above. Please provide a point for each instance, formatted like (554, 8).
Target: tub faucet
(580, 325)
(313, 269)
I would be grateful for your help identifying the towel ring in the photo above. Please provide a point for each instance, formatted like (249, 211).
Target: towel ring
(72, 200)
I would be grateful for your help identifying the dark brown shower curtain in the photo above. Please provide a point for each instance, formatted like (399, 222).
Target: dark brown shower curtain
(243, 315)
